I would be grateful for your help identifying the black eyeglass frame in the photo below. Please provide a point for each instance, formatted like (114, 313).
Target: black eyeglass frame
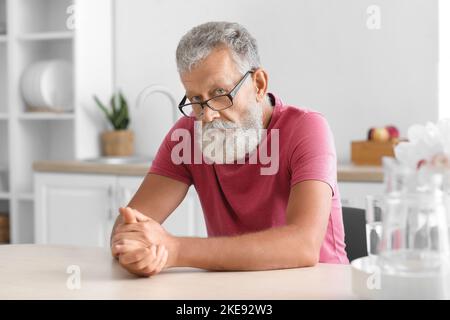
(202, 104)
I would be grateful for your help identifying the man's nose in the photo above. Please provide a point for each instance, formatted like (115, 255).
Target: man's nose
(209, 114)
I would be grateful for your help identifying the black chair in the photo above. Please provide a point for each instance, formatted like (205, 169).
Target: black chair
(355, 232)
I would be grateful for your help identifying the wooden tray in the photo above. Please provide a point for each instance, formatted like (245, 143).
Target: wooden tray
(371, 152)
(4, 229)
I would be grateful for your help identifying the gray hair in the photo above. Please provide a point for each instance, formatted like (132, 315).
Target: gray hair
(198, 43)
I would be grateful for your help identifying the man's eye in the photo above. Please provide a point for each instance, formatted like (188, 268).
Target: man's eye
(194, 99)
(220, 91)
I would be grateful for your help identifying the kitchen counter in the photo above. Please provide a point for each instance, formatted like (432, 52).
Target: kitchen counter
(79, 166)
(354, 173)
(48, 272)
(346, 172)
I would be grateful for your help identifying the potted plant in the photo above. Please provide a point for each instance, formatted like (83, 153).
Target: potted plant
(120, 140)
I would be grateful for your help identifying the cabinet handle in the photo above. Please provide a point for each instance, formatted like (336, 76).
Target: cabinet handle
(126, 196)
(111, 203)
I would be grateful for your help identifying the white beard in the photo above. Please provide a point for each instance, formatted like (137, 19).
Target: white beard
(226, 142)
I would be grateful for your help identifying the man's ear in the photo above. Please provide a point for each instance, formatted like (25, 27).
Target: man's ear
(260, 80)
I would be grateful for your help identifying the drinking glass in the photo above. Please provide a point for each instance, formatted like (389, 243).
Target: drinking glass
(415, 235)
(374, 227)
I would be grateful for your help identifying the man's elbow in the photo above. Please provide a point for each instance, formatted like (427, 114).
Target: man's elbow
(309, 255)
(314, 258)
(308, 259)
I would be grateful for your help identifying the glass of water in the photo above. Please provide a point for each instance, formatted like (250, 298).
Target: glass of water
(374, 225)
(415, 233)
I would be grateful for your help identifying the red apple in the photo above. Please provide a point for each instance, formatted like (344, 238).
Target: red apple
(394, 133)
(370, 133)
(380, 135)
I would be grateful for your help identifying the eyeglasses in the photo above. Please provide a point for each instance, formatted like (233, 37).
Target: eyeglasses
(217, 103)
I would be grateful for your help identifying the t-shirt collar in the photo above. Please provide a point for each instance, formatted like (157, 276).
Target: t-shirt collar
(276, 99)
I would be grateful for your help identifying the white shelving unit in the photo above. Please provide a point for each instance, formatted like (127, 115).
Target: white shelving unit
(40, 30)
(46, 116)
(42, 36)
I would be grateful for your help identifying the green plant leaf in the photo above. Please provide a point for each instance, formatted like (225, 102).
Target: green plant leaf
(125, 123)
(113, 104)
(118, 116)
(124, 105)
(121, 117)
(103, 108)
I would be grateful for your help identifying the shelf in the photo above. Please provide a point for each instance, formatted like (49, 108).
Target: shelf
(4, 195)
(46, 36)
(26, 196)
(46, 116)
(3, 38)
(4, 116)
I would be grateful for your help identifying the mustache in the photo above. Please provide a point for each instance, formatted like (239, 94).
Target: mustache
(252, 120)
(220, 124)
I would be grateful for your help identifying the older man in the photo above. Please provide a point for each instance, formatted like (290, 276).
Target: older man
(290, 217)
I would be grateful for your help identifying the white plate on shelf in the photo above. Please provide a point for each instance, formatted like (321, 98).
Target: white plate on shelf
(56, 81)
(48, 84)
(35, 89)
(30, 85)
(27, 85)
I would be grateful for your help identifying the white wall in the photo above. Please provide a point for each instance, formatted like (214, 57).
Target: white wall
(319, 54)
(94, 72)
(444, 59)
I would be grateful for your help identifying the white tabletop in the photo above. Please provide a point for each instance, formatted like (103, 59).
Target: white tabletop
(41, 272)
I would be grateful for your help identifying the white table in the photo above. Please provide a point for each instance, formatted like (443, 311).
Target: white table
(40, 272)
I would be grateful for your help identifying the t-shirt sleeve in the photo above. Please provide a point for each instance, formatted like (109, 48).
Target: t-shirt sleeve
(313, 156)
(163, 164)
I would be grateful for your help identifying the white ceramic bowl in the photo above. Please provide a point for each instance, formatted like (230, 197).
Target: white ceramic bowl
(364, 279)
(370, 282)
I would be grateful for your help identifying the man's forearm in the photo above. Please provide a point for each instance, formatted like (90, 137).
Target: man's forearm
(276, 248)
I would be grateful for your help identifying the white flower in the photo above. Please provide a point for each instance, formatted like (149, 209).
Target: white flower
(426, 142)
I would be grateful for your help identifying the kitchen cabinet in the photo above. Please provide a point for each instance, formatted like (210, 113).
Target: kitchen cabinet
(73, 209)
(80, 209)
(353, 194)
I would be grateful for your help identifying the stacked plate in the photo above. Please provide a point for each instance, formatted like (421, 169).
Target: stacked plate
(48, 86)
